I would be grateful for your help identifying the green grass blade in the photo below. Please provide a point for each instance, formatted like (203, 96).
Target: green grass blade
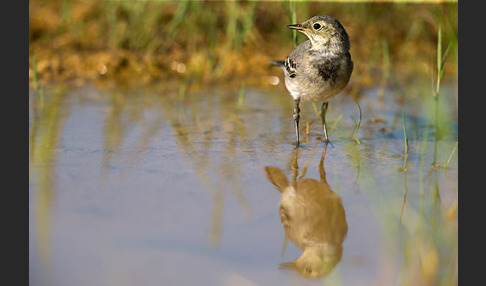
(439, 49)
(440, 58)
(293, 20)
(443, 60)
(450, 156)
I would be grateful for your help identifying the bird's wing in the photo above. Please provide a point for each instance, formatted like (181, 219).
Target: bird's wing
(290, 67)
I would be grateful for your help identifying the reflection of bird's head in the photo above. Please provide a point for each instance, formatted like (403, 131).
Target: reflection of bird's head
(315, 262)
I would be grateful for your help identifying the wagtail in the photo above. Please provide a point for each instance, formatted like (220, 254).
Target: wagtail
(319, 68)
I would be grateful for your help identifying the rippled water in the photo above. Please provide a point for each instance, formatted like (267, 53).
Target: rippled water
(149, 187)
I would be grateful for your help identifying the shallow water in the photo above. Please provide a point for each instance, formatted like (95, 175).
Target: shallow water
(146, 187)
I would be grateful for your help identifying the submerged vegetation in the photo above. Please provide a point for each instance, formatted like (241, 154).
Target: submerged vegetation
(141, 42)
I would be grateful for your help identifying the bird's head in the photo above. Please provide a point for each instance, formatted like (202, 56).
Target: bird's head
(324, 32)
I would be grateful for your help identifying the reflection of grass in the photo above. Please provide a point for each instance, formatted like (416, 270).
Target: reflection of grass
(358, 124)
(216, 141)
(241, 95)
(193, 123)
(405, 190)
(183, 89)
(421, 165)
(405, 139)
(220, 177)
(333, 126)
(450, 156)
(41, 97)
(46, 129)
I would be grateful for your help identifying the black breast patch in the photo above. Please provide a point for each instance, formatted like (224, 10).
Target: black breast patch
(328, 69)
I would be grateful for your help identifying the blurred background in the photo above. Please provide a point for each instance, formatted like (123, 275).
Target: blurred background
(141, 42)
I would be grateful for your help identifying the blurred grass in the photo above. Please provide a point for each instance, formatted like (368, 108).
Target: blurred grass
(34, 79)
(358, 124)
(137, 42)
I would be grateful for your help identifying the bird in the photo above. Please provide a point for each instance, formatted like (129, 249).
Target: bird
(318, 69)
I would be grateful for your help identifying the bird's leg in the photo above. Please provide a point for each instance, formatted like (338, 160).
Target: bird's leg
(296, 119)
(323, 120)
(322, 171)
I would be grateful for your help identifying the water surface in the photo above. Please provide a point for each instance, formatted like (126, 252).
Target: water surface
(155, 187)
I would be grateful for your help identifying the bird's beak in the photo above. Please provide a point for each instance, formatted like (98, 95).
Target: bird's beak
(288, 265)
(297, 27)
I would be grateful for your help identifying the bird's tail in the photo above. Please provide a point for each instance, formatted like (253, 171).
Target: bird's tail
(276, 63)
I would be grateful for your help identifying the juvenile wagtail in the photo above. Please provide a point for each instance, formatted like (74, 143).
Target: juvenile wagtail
(319, 68)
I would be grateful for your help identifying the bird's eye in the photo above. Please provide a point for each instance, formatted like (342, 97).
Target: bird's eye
(317, 26)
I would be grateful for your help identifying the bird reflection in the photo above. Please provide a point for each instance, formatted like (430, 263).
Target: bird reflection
(313, 218)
